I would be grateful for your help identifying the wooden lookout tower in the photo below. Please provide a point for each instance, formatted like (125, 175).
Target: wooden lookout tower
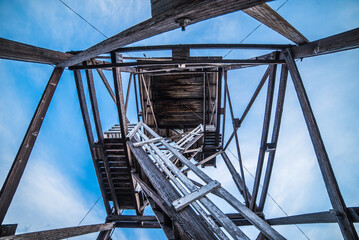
(181, 104)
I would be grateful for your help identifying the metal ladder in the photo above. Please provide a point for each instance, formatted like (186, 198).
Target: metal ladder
(191, 194)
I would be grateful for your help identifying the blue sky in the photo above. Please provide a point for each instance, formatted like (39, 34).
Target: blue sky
(59, 184)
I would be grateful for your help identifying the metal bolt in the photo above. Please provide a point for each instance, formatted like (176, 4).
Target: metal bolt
(183, 23)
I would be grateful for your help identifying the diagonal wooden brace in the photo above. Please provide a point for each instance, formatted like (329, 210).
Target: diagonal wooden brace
(183, 202)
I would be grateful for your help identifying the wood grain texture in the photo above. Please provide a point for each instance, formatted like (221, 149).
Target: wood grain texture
(336, 43)
(61, 233)
(344, 221)
(17, 169)
(196, 10)
(272, 19)
(24, 52)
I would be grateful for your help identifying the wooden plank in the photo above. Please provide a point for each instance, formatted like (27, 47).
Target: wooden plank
(336, 43)
(183, 202)
(272, 19)
(62, 233)
(336, 198)
(14, 176)
(90, 138)
(196, 10)
(24, 52)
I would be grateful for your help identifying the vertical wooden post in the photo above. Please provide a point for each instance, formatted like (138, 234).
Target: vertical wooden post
(90, 138)
(263, 144)
(136, 97)
(224, 109)
(219, 103)
(122, 117)
(17, 169)
(336, 198)
(97, 120)
(275, 133)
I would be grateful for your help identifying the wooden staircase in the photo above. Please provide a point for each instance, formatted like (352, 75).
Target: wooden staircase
(120, 169)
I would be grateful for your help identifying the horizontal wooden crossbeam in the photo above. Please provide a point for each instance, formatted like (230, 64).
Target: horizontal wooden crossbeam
(62, 233)
(24, 52)
(204, 46)
(176, 62)
(196, 11)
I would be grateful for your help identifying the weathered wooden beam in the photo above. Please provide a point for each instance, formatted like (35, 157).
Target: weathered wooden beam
(196, 11)
(62, 233)
(24, 52)
(167, 225)
(176, 62)
(219, 104)
(265, 131)
(128, 91)
(137, 225)
(336, 43)
(275, 134)
(266, 15)
(236, 178)
(13, 178)
(308, 218)
(98, 126)
(136, 97)
(122, 119)
(336, 198)
(131, 218)
(104, 235)
(89, 134)
(204, 46)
